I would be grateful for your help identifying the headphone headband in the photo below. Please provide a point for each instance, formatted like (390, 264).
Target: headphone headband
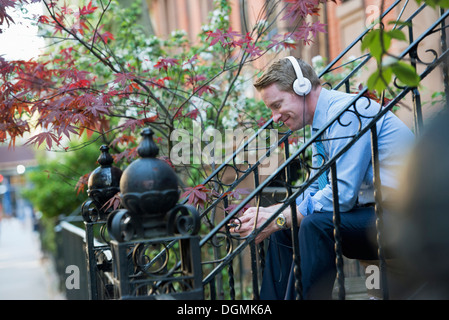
(301, 86)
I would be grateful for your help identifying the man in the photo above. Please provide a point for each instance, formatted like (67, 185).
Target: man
(292, 90)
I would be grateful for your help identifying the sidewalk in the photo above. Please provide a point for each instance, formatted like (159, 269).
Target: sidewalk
(24, 272)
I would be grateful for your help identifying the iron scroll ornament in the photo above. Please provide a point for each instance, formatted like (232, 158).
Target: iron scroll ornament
(182, 219)
(90, 210)
(120, 226)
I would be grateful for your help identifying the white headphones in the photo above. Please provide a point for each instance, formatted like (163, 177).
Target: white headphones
(301, 86)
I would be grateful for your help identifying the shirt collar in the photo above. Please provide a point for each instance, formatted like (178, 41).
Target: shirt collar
(322, 105)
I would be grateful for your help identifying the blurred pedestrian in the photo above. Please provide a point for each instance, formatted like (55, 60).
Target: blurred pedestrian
(422, 225)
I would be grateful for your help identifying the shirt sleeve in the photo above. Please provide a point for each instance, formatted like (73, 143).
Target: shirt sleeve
(309, 205)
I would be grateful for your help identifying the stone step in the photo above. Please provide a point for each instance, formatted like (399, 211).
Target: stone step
(355, 289)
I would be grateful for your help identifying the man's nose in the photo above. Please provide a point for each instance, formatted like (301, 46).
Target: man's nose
(276, 116)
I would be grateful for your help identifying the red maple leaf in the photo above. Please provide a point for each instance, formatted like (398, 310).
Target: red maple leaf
(225, 37)
(87, 10)
(66, 10)
(231, 208)
(3, 15)
(113, 203)
(159, 83)
(103, 36)
(83, 83)
(44, 19)
(131, 124)
(373, 95)
(80, 26)
(197, 195)
(215, 35)
(106, 36)
(300, 8)
(47, 137)
(129, 154)
(253, 50)
(203, 89)
(192, 114)
(282, 41)
(165, 63)
(82, 183)
(195, 79)
(261, 121)
(97, 109)
(150, 119)
(234, 194)
(191, 60)
(123, 77)
(124, 139)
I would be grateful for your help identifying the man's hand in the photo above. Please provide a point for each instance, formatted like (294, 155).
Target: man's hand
(247, 221)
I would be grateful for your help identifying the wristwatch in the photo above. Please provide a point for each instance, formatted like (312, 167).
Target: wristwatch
(281, 222)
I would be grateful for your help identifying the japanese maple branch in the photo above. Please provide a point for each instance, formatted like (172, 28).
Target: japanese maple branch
(81, 41)
(104, 9)
(106, 62)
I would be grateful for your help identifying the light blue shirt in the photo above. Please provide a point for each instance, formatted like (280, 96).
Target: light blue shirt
(354, 167)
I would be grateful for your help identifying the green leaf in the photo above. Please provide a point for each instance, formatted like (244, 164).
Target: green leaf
(434, 3)
(366, 42)
(397, 34)
(444, 3)
(406, 73)
(379, 80)
(400, 23)
(431, 3)
(438, 94)
(376, 47)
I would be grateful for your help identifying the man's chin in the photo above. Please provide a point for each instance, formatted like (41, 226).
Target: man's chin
(292, 127)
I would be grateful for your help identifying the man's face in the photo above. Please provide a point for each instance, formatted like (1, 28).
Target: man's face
(286, 107)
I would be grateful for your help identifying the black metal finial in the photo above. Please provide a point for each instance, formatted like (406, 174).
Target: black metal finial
(105, 159)
(147, 147)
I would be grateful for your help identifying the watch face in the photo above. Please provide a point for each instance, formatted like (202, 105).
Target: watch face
(280, 221)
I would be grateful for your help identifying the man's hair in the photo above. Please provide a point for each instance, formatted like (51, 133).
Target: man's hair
(283, 74)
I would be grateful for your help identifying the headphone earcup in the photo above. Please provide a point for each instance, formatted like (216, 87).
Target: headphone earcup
(304, 89)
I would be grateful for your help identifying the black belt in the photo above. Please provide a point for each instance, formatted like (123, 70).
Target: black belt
(364, 205)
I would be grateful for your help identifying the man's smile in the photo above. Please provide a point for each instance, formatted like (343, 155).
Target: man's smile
(285, 119)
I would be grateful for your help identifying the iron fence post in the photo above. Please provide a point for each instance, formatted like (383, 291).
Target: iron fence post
(155, 247)
(103, 184)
